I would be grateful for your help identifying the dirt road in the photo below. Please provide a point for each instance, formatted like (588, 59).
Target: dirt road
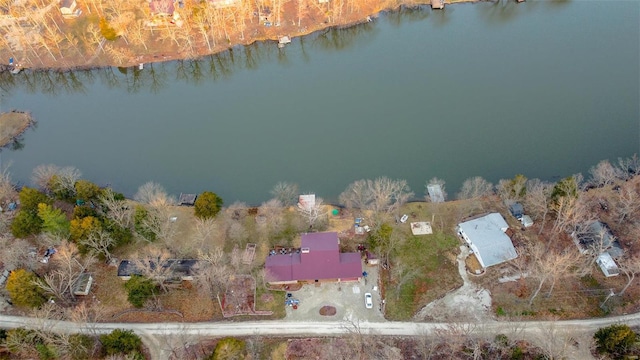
(571, 336)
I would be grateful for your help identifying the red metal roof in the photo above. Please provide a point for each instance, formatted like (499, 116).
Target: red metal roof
(323, 261)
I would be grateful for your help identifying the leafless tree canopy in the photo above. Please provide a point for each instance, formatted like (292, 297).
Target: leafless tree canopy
(15, 254)
(604, 174)
(68, 266)
(153, 194)
(538, 200)
(7, 190)
(382, 195)
(286, 193)
(152, 263)
(117, 210)
(311, 214)
(475, 187)
(99, 243)
(549, 265)
(65, 177)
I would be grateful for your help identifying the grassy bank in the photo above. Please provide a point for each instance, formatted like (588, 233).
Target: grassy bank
(12, 125)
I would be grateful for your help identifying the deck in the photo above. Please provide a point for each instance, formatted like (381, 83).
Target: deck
(187, 199)
(437, 4)
(249, 254)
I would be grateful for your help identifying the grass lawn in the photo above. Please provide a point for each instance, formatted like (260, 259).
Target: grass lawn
(432, 274)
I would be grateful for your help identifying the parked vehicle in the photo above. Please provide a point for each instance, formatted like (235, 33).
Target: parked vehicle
(368, 301)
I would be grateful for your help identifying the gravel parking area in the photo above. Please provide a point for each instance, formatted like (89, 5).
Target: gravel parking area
(347, 298)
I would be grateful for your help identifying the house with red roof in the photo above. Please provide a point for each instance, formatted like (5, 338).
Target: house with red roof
(319, 260)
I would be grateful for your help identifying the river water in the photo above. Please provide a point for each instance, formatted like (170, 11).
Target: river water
(543, 88)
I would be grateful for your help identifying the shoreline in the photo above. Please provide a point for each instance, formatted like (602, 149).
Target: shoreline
(163, 53)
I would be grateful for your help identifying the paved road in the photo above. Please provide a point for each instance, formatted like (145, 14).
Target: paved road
(156, 335)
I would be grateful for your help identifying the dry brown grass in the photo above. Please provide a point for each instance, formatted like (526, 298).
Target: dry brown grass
(12, 125)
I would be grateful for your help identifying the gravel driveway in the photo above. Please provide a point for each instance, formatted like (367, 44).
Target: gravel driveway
(347, 298)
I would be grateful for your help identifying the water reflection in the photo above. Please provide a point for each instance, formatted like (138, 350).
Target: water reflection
(408, 13)
(344, 38)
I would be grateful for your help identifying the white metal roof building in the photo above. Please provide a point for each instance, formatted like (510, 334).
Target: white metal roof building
(487, 239)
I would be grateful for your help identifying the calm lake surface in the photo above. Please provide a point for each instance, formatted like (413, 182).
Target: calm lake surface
(543, 88)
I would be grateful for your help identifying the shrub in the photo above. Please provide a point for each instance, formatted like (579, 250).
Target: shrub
(26, 223)
(208, 205)
(228, 349)
(107, 31)
(121, 342)
(140, 218)
(30, 198)
(86, 190)
(23, 289)
(615, 340)
(139, 289)
(81, 228)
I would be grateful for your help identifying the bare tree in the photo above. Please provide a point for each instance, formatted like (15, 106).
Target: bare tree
(155, 264)
(286, 192)
(42, 174)
(312, 213)
(116, 210)
(212, 272)
(86, 316)
(160, 222)
(538, 200)
(382, 195)
(206, 230)
(402, 273)
(550, 265)
(474, 188)
(571, 212)
(54, 178)
(99, 243)
(628, 200)
(7, 189)
(630, 266)
(15, 254)
(604, 174)
(153, 194)
(357, 195)
(629, 167)
(511, 190)
(68, 268)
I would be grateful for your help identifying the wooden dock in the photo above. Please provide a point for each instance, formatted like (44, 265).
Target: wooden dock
(187, 199)
(249, 254)
(437, 4)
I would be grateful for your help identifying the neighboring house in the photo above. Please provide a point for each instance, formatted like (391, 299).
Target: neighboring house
(517, 210)
(68, 9)
(179, 269)
(597, 239)
(608, 265)
(82, 286)
(319, 260)
(488, 240)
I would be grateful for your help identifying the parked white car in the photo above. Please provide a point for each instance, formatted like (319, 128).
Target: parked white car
(368, 301)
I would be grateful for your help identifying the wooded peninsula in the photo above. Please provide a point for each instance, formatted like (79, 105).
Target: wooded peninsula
(93, 33)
